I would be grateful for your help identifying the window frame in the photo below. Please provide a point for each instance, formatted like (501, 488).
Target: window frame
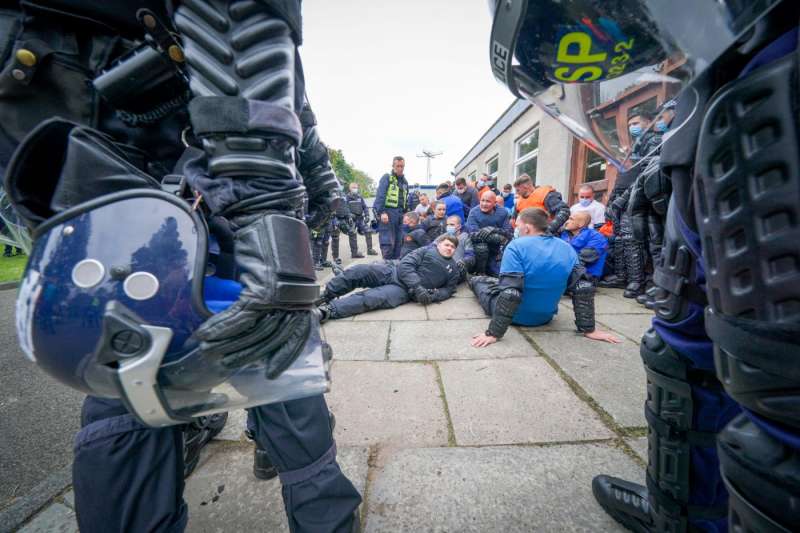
(533, 154)
(493, 159)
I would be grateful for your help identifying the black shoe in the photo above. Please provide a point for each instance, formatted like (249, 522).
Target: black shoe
(611, 282)
(370, 251)
(324, 313)
(262, 466)
(357, 255)
(624, 501)
(338, 260)
(318, 266)
(642, 299)
(633, 290)
(196, 435)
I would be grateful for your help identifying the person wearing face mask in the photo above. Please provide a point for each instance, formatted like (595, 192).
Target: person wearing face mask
(486, 183)
(587, 203)
(537, 269)
(508, 197)
(426, 276)
(468, 196)
(465, 252)
(414, 235)
(542, 197)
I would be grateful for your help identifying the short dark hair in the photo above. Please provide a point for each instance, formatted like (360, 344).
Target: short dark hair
(447, 237)
(444, 186)
(507, 187)
(522, 180)
(461, 181)
(413, 216)
(535, 217)
(398, 158)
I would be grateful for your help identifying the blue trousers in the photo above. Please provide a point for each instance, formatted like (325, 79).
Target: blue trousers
(128, 477)
(390, 235)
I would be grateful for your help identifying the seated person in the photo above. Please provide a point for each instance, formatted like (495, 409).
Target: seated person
(424, 207)
(489, 227)
(437, 224)
(465, 253)
(542, 197)
(425, 275)
(414, 235)
(453, 204)
(508, 198)
(589, 244)
(537, 268)
(587, 203)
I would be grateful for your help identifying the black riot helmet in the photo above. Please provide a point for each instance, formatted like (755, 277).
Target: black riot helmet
(591, 64)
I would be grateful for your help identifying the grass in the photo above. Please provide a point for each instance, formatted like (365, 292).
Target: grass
(11, 268)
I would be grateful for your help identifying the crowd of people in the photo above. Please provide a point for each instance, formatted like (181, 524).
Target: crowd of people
(472, 232)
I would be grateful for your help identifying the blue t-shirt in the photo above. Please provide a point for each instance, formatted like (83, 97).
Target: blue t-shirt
(546, 262)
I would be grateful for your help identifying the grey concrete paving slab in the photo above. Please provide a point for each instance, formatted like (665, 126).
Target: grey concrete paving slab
(223, 495)
(639, 445)
(409, 311)
(357, 341)
(605, 304)
(450, 340)
(612, 374)
(55, 518)
(510, 489)
(463, 291)
(632, 326)
(456, 309)
(512, 401)
(68, 499)
(395, 404)
(563, 321)
(235, 426)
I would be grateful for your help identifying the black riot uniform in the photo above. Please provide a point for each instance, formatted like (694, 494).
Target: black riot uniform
(424, 276)
(344, 224)
(236, 98)
(360, 213)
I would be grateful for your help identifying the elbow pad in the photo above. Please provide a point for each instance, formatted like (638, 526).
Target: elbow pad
(588, 256)
(582, 299)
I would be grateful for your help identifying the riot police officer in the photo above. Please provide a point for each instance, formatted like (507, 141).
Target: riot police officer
(723, 377)
(344, 224)
(159, 340)
(360, 213)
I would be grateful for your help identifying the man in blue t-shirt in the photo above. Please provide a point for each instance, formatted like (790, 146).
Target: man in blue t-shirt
(536, 270)
(590, 245)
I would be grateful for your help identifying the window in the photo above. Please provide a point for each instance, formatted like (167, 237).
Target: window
(491, 168)
(526, 150)
(648, 107)
(595, 167)
(472, 176)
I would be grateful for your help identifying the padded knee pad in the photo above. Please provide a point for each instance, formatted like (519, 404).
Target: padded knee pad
(481, 257)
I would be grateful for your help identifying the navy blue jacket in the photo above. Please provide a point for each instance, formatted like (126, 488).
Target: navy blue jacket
(498, 218)
(425, 267)
(380, 196)
(413, 239)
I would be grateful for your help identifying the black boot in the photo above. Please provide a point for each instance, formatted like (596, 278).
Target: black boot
(370, 249)
(196, 435)
(624, 501)
(634, 265)
(262, 465)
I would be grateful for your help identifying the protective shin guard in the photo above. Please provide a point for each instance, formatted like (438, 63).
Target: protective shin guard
(634, 267)
(370, 249)
(481, 258)
(748, 221)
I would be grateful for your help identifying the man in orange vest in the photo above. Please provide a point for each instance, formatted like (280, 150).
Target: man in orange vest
(542, 197)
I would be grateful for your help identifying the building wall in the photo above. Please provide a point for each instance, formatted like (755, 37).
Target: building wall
(555, 152)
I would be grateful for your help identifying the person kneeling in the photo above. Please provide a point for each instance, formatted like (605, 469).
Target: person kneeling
(536, 270)
(426, 275)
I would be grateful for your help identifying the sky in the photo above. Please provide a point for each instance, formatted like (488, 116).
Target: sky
(388, 78)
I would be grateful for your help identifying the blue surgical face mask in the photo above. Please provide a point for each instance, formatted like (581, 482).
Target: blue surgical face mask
(635, 131)
(481, 184)
(451, 230)
(661, 126)
(585, 202)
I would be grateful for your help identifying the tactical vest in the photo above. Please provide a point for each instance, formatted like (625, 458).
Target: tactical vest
(394, 193)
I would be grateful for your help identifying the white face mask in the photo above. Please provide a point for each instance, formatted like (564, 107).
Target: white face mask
(516, 232)
(354, 191)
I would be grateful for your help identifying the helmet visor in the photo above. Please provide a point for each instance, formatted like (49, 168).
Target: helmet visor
(606, 68)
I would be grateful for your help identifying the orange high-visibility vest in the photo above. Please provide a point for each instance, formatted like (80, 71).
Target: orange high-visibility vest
(535, 199)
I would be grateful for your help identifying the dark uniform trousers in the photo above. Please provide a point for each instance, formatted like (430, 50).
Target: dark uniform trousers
(383, 290)
(129, 477)
(390, 235)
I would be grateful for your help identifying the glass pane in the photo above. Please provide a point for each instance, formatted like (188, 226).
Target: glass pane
(491, 167)
(608, 131)
(648, 108)
(595, 167)
(528, 167)
(471, 176)
(528, 144)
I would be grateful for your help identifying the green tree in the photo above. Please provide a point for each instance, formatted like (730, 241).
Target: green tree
(348, 174)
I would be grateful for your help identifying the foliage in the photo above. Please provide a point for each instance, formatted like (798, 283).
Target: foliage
(11, 232)
(348, 174)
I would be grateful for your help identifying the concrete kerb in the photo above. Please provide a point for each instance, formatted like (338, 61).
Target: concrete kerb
(27, 507)
(8, 285)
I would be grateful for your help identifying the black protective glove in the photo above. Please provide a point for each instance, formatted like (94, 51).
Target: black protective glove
(422, 296)
(483, 233)
(271, 320)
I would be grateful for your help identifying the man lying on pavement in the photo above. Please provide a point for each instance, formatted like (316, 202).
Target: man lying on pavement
(536, 270)
(426, 275)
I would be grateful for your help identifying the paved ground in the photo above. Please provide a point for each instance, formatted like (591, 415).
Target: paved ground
(439, 436)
